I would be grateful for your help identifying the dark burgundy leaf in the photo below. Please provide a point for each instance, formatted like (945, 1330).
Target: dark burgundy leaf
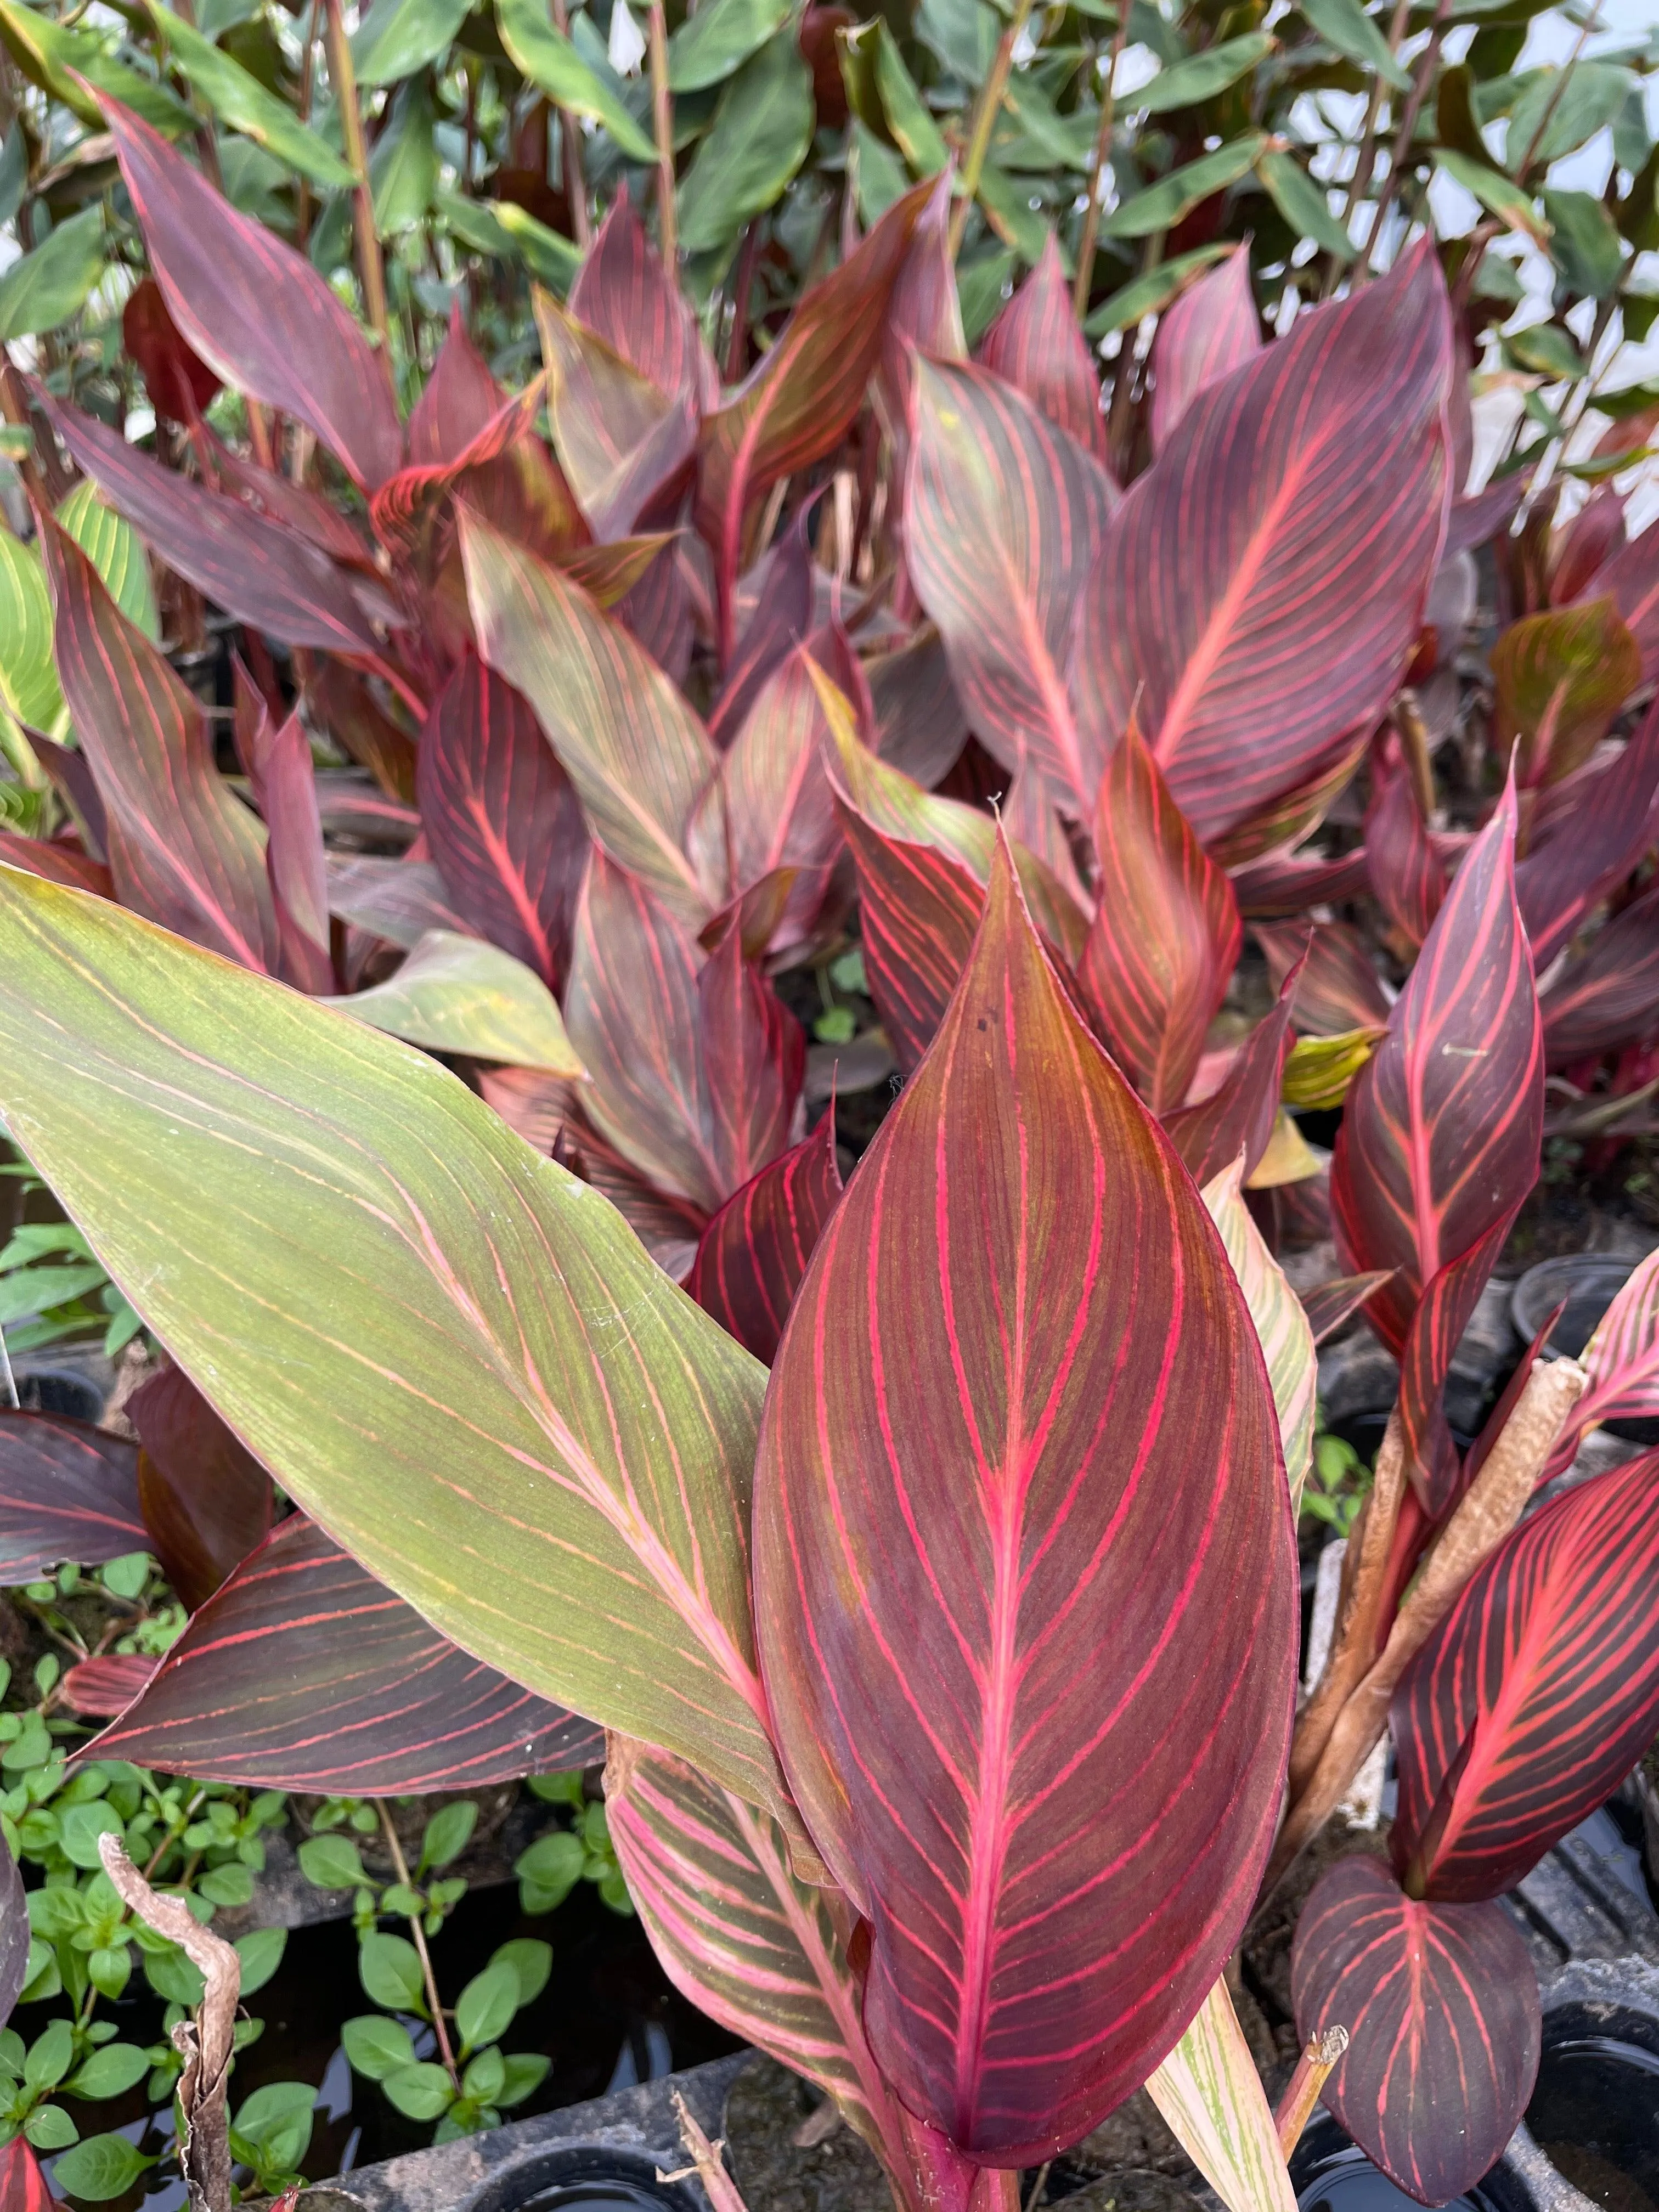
(1588, 833)
(1593, 537)
(782, 617)
(1441, 2006)
(1332, 1304)
(1631, 576)
(72, 778)
(1474, 520)
(178, 382)
(106, 1685)
(254, 309)
(622, 293)
(60, 864)
(1210, 330)
(1609, 998)
(502, 819)
(277, 760)
(1240, 1115)
(1406, 874)
(14, 1934)
(206, 1500)
(460, 400)
(1339, 988)
(1035, 343)
(1536, 1694)
(1284, 884)
(67, 1491)
(753, 1255)
(304, 1673)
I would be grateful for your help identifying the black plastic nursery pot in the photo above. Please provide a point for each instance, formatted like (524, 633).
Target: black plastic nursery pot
(1588, 1282)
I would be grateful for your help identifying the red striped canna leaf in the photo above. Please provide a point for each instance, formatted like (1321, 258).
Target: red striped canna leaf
(1338, 989)
(60, 864)
(1022, 1534)
(67, 1491)
(206, 1500)
(502, 819)
(1440, 1139)
(23, 2186)
(1329, 1304)
(183, 850)
(772, 807)
(695, 1063)
(304, 1673)
(257, 312)
(458, 401)
(107, 1686)
(1441, 2006)
(753, 1255)
(1535, 1695)
(781, 616)
(1591, 538)
(800, 399)
(402, 509)
(1630, 576)
(623, 294)
(637, 754)
(1004, 515)
(1036, 345)
(1281, 884)
(1622, 1362)
(1610, 997)
(250, 564)
(1597, 830)
(1205, 333)
(1239, 1116)
(1407, 875)
(739, 1933)
(1166, 933)
(620, 438)
(1559, 678)
(1260, 588)
(278, 763)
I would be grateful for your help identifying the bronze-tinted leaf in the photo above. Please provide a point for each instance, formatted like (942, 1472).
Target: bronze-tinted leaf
(206, 1500)
(1208, 331)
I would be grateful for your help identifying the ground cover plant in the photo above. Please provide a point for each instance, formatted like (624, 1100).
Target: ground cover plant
(944, 1674)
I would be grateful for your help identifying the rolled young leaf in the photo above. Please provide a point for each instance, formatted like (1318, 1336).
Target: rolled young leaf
(1021, 1530)
(1441, 2006)
(1535, 1695)
(1165, 936)
(304, 1673)
(1303, 497)
(1440, 1140)
(531, 1435)
(1211, 2096)
(67, 1491)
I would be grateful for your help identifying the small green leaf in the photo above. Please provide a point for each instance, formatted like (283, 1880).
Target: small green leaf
(261, 1954)
(1165, 203)
(242, 103)
(109, 2072)
(530, 1959)
(377, 2046)
(49, 2127)
(48, 286)
(390, 1969)
(403, 170)
(525, 2072)
(227, 1884)
(1201, 76)
(81, 1826)
(762, 133)
(1585, 245)
(419, 2093)
(1499, 194)
(447, 1835)
(331, 1863)
(172, 1976)
(126, 1576)
(551, 259)
(1547, 350)
(550, 1870)
(485, 2078)
(1303, 202)
(710, 45)
(399, 37)
(102, 2167)
(51, 2055)
(109, 1969)
(1344, 25)
(485, 2007)
(553, 64)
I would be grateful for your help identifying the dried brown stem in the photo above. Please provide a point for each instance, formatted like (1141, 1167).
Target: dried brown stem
(722, 2191)
(1357, 1635)
(1493, 1504)
(1302, 2095)
(205, 2043)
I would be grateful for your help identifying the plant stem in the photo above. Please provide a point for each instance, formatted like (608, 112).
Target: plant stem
(419, 1933)
(662, 118)
(1360, 183)
(570, 148)
(370, 267)
(985, 115)
(1403, 145)
(1312, 2071)
(1085, 255)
